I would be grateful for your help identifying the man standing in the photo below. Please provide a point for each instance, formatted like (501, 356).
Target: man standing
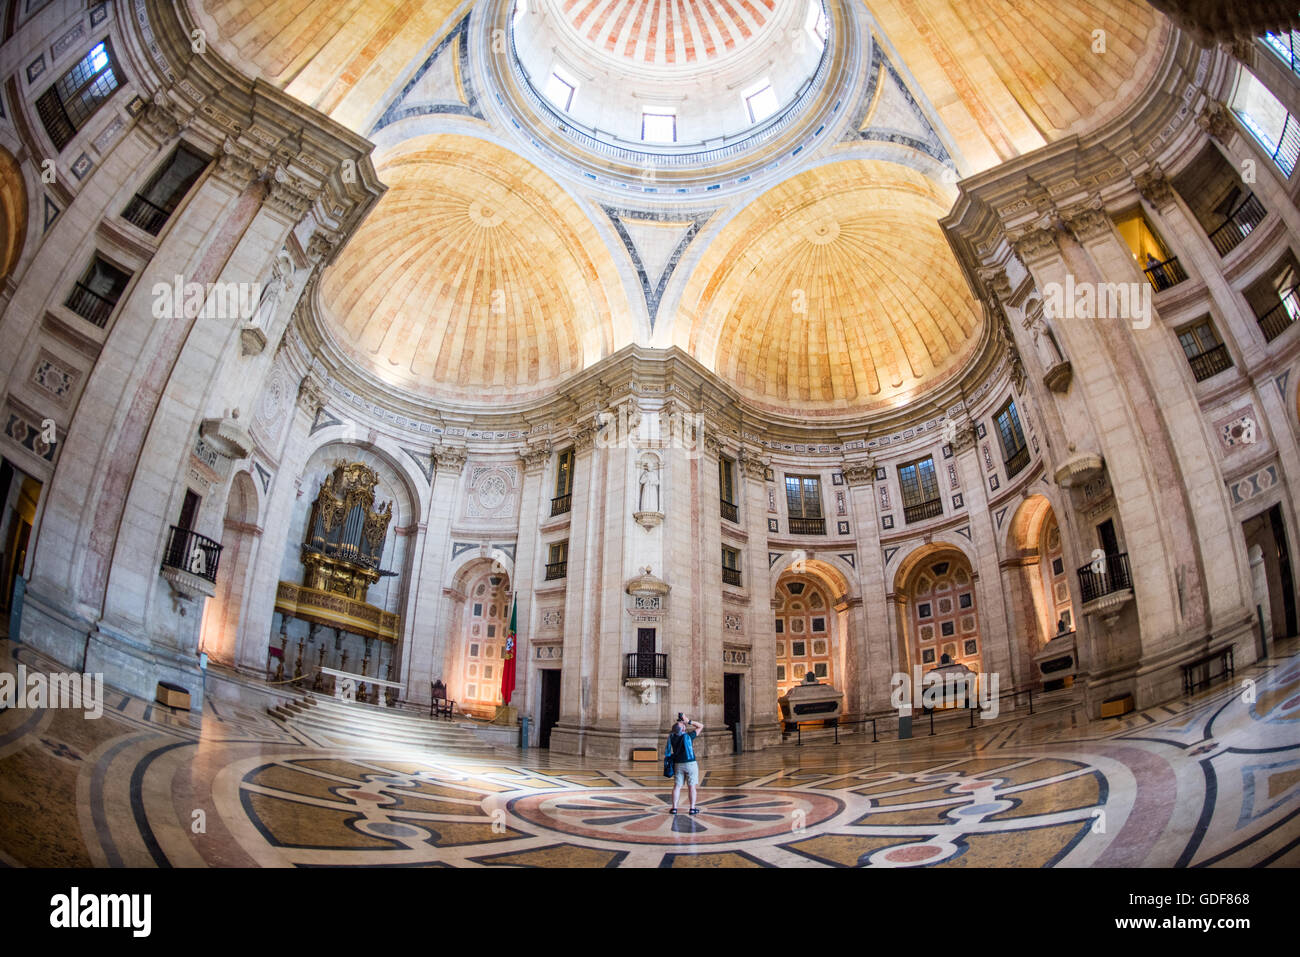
(683, 755)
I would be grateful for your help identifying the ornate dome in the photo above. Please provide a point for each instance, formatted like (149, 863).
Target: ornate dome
(666, 34)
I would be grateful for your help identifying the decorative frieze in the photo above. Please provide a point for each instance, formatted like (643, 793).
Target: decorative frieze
(553, 652)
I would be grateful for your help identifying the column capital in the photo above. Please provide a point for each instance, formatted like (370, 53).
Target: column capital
(860, 472)
(1154, 186)
(1215, 120)
(535, 457)
(450, 458)
(1086, 221)
(1034, 242)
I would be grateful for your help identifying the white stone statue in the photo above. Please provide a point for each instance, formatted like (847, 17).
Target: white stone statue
(649, 500)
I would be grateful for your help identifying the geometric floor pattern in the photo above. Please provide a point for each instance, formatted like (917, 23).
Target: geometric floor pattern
(1212, 780)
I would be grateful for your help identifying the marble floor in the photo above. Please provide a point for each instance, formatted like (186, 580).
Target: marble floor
(1213, 780)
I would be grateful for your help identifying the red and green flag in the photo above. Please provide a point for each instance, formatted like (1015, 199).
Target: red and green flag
(508, 656)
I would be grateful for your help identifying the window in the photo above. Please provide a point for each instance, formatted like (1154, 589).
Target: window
(66, 106)
(761, 102)
(563, 500)
(659, 126)
(96, 293)
(152, 206)
(1205, 353)
(920, 490)
(730, 566)
(1268, 121)
(1015, 455)
(560, 90)
(727, 489)
(557, 560)
(804, 503)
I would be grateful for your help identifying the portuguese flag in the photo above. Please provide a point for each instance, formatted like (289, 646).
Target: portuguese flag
(508, 655)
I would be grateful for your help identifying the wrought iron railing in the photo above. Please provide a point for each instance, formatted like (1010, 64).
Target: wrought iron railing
(729, 510)
(731, 576)
(146, 215)
(561, 503)
(807, 526)
(1210, 362)
(1241, 222)
(646, 665)
(1105, 575)
(1165, 274)
(923, 510)
(90, 305)
(1275, 322)
(1017, 462)
(556, 570)
(188, 551)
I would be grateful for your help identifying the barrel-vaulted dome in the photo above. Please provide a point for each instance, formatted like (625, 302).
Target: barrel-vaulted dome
(833, 291)
(475, 278)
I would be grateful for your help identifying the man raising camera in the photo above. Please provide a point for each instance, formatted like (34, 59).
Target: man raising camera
(684, 763)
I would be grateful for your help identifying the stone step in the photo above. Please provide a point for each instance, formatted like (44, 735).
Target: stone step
(353, 723)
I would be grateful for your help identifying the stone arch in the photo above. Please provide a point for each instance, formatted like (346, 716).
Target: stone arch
(240, 537)
(323, 646)
(830, 577)
(1036, 578)
(481, 593)
(13, 214)
(938, 609)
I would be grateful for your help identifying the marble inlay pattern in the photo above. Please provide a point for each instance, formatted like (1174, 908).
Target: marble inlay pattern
(1213, 780)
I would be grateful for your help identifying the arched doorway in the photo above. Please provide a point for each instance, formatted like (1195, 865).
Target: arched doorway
(940, 613)
(1037, 579)
(474, 671)
(803, 633)
(13, 214)
(240, 535)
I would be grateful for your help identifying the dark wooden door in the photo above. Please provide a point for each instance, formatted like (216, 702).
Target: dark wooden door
(1284, 567)
(731, 707)
(1106, 536)
(550, 706)
(645, 653)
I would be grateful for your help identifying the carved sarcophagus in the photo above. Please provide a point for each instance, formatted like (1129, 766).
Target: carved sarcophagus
(811, 701)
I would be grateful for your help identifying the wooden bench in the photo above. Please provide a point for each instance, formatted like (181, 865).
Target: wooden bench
(1223, 656)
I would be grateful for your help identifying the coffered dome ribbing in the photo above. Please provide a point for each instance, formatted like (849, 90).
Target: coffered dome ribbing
(475, 277)
(832, 291)
(667, 32)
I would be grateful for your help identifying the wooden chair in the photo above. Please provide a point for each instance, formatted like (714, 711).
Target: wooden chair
(439, 704)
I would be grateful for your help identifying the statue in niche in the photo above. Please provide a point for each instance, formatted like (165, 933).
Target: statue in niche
(649, 485)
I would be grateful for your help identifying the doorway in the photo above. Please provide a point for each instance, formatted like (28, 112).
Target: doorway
(550, 706)
(731, 710)
(1268, 531)
(19, 496)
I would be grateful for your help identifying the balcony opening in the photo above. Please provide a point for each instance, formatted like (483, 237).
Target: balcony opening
(70, 103)
(730, 566)
(1273, 297)
(150, 208)
(95, 294)
(803, 501)
(920, 489)
(1152, 256)
(727, 489)
(557, 561)
(1225, 208)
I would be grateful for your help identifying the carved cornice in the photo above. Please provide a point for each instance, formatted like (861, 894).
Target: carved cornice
(1215, 120)
(535, 457)
(1155, 187)
(450, 458)
(857, 474)
(1087, 221)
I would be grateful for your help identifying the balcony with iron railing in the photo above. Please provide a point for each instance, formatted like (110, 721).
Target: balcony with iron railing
(561, 504)
(556, 570)
(1017, 462)
(90, 305)
(807, 526)
(1105, 576)
(729, 510)
(646, 665)
(1210, 362)
(1164, 275)
(1241, 222)
(145, 215)
(731, 576)
(923, 510)
(190, 561)
(1276, 321)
